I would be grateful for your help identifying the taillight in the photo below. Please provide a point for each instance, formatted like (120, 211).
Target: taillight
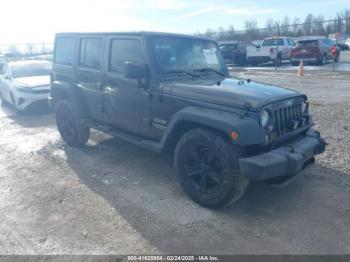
(271, 50)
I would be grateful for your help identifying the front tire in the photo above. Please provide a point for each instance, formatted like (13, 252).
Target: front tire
(73, 132)
(208, 170)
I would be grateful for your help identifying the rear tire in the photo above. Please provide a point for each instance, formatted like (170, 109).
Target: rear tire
(323, 60)
(208, 170)
(337, 58)
(279, 59)
(73, 132)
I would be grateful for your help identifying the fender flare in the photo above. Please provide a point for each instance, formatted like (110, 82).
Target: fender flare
(248, 129)
(70, 92)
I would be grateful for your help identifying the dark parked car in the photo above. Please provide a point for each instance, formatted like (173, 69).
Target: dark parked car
(234, 52)
(172, 93)
(315, 50)
(343, 46)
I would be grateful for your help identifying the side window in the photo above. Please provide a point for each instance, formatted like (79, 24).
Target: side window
(64, 50)
(326, 42)
(290, 42)
(124, 50)
(90, 52)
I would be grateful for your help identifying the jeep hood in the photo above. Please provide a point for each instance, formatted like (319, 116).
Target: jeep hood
(33, 81)
(231, 92)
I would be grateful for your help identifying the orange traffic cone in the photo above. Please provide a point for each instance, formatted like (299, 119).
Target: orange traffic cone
(301, 68)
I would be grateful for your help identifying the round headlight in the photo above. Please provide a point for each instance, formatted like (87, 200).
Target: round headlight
(264, 118)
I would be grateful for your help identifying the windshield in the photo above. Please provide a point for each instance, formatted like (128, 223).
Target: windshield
(174, 54)
(31, 69)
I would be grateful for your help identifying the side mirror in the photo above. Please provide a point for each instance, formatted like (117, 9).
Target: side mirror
(135, 71)
(7, 77)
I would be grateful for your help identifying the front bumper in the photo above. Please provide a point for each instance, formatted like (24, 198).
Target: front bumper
(24, 99)
(287, 160)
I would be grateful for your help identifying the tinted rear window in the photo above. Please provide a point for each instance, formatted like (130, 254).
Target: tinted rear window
(64, 50)
(306, 44)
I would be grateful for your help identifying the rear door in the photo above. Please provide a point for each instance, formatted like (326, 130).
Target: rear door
(90, 74)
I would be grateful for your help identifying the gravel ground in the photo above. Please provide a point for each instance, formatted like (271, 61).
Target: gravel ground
(111, 197)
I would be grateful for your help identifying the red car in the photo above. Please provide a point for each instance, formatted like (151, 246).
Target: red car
(315, 50)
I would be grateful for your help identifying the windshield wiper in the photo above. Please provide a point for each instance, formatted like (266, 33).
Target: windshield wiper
(208, 69)
(180, 72)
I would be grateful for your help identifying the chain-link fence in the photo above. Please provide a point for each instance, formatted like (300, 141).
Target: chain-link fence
(324, 34)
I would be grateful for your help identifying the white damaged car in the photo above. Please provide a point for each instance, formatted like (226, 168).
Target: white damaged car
(24, 83)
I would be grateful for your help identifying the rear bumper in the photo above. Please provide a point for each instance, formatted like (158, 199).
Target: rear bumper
(259, 59)
(304, 59)
(286, 160)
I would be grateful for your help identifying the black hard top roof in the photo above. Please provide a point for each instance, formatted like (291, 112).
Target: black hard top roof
(131, 33)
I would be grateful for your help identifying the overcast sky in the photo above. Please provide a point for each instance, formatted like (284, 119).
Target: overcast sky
(38, 20)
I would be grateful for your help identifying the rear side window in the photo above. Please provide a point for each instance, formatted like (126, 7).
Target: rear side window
(125, 50)
(64, 50)
(90, 52)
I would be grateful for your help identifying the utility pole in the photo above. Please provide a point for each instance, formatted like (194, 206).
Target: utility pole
(278, 37)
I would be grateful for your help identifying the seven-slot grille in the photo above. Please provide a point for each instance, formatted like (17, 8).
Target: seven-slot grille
(288, 119)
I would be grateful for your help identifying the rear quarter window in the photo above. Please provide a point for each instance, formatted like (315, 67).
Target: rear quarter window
(91, 52)
(64, 50)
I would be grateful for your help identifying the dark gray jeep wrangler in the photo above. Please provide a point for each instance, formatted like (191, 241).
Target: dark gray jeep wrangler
(172, 93)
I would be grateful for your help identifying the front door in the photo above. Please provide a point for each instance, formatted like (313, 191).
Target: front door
(127, 104)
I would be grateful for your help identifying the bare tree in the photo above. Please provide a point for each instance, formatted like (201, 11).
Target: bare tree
(307, 24)
(221, 33)
(270, 24)
(318, 25)
(231, 32)
(285, 25)
(346, 15)
(251, 28)
(210, 33)
(30, 48)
